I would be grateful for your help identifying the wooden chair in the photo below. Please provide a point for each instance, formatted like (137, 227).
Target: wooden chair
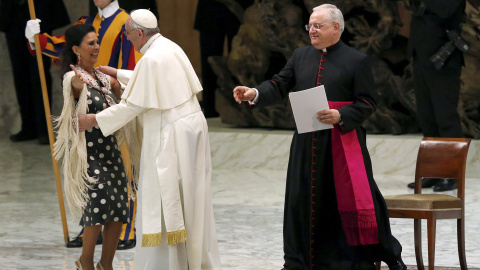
(438, 158)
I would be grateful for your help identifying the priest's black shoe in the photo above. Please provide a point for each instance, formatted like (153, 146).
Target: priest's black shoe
(23, 136)
(43, 140)
(397, 265)
(122, 245)
(446, 185)
(426, 182)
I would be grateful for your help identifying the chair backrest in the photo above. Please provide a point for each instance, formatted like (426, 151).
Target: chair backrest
(443, 158)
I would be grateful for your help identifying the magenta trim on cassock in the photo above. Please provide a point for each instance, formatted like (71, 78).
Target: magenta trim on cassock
(354, 197)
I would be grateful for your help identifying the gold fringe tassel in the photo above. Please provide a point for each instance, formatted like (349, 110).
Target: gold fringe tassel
(176, 237)
(151, 240)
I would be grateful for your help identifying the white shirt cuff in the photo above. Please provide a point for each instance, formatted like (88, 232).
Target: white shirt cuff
(255, 100)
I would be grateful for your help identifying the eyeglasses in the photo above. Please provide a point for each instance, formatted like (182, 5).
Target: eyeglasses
(127, 31)
(316, 26)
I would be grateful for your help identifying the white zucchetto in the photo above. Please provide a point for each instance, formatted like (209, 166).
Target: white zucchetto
(144, 18)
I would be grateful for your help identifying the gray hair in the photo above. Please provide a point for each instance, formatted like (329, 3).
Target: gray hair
(334, 13)
(146, 31)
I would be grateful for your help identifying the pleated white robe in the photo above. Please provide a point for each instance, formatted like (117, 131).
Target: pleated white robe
(175, 144)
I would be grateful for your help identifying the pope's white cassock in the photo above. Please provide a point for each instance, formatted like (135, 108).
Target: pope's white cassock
(174, 200)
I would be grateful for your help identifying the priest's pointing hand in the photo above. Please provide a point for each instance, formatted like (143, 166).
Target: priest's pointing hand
(243, 93)
(86, 121)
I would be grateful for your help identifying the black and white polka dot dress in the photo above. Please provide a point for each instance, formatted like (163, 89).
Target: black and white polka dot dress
(109, 197)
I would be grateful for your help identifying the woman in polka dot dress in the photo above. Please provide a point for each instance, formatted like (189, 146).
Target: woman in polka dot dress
(94, 175)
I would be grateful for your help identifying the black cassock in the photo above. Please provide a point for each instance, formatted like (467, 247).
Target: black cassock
(313, 233)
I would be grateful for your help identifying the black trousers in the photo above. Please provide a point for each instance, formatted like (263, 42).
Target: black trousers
(211, 44)
(437, 94)
(27, 81)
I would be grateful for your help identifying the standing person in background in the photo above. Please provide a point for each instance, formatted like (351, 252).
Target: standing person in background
(129, 5)
(94, 175)
(14, 15)
(115, 51)
(175, 211)
(437, 65)
(335, 216)
(215, 22)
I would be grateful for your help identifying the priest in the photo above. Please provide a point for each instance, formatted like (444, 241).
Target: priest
(175, 213)
(335, 216)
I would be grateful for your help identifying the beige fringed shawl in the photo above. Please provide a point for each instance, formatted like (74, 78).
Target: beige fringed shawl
(71, 144)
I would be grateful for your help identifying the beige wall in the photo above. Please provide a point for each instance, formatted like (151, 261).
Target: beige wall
(406, 17)
(176, 23)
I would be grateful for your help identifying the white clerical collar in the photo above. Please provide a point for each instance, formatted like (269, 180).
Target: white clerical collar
(108, 10)
(145, 47)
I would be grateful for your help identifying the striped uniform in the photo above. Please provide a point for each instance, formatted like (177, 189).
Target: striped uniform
(115, 50)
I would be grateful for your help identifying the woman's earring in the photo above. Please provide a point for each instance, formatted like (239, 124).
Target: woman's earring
(79, 58)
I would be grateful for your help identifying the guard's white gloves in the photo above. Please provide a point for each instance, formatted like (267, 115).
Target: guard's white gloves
(33, 27)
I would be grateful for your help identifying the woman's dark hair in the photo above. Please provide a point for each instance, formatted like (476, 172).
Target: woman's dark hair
(73, 37)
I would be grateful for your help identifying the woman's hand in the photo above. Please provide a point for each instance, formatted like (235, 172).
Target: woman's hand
(77, 82)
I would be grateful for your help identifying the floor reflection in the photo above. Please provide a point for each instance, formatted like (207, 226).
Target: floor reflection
(248, 205)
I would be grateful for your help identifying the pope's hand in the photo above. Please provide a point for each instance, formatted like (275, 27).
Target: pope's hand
(243, 93)
(33, 28)
(108, 70)
(86, 121)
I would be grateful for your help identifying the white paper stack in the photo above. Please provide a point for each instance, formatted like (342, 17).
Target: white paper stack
(305, 105)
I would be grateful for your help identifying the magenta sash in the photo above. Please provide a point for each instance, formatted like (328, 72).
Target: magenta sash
(354, 197)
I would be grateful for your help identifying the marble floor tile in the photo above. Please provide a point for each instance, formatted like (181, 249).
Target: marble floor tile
(248, 196)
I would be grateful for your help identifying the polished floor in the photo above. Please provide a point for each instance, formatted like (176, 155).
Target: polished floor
(248, 188)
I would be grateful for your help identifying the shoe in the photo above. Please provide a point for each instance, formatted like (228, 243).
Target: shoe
(43, 140)
(99, 240)
(397, 265)
(211, 114)
(426, 182)
(78, 264)
(446, 185)
(77, 242)
(23, 136)
(99, 266)
(122, 245)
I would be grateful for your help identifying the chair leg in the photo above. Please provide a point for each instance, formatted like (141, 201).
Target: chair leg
(417, 233)
(378, 265)
(431, 229)
(461, 243)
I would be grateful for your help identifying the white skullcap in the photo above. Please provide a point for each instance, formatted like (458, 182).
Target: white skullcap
(144, 18)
